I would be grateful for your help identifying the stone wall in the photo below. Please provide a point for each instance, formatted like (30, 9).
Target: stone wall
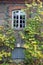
(6, 12)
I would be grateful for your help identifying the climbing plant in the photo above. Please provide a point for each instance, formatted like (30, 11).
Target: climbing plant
(31, 36)
(7, 43)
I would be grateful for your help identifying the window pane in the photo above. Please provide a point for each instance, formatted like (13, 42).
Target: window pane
(17, 16)
(17, 21)
(20, 25)
(17, 11)
(23, 16)
(14, 12)
(14, 17)
(23, 24)
(20, 21)
(14, 21)
(23, 21)
(16, 25)
(20, 16)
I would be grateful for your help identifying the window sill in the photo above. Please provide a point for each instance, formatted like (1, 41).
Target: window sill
(18, 29)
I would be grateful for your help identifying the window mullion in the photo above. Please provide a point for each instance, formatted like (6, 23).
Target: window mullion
(19, 20)
(12, 19)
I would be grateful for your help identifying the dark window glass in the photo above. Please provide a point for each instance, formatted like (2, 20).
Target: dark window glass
(16, 25)
(20, 16)
(17, 11)
(14, 12)
(23, 16)
(23, 21)
(20, 25)
(14, 21)
(17, 21)
(20, 21)
(14, 17)
(17, 16)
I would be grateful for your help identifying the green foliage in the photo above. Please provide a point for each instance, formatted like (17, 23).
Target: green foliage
(5, 63)
(7, 42)
(34, 47)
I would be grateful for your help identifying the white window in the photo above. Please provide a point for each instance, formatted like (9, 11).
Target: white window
(18, 19)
